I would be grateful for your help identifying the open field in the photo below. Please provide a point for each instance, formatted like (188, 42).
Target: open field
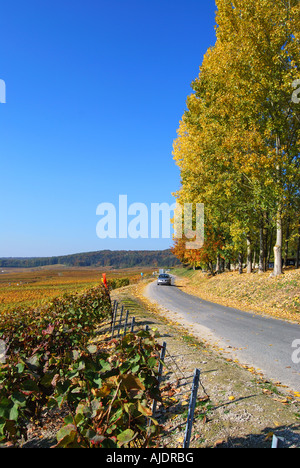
(36, 286)
(258, 293)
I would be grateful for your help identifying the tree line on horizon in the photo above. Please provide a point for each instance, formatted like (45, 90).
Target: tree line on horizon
(103, 258)
(238, 142)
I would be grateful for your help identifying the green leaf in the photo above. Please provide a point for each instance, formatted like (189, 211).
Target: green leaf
(105, 366)
(135, 368)
(47, 379)
(18, 399)
(33, 362)
(92, 349)
(125, 437)
(117, 415)
(20, 366)
(66, 435)
(5, 405)
(95, 405)
(30, 386)
(13, 414)
(152, 362)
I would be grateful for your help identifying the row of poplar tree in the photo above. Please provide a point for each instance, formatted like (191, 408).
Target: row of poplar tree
(238, 142)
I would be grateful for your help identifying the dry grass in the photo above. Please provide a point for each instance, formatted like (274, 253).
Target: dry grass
(258, 293)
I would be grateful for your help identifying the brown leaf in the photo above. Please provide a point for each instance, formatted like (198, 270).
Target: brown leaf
(130, 381)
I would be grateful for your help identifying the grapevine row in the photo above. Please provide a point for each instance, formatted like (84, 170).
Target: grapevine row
(57, 357)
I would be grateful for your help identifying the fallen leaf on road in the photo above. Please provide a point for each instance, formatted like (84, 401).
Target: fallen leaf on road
(283, 401)
(269, 435)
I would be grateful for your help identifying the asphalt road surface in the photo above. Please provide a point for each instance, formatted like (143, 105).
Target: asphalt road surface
(259, 341)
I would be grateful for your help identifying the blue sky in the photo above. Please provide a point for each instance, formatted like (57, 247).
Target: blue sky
(95, 91)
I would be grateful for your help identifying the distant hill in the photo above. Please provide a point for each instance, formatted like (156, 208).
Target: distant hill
(102, 258)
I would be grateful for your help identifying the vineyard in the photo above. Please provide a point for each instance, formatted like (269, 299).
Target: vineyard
(60, 356)
(26, 288)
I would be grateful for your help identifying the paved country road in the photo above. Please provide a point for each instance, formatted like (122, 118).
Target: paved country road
(259, 341)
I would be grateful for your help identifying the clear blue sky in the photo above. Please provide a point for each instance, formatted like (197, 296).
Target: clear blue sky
(95, 92)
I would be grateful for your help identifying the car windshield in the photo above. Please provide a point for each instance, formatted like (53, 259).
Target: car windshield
(163, 276)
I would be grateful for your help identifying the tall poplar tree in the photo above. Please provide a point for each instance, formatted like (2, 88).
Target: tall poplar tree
(238, 142)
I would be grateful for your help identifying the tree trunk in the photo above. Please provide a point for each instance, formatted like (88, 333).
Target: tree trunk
(261, 261)
(210, 267)
(254, 259)
(278, 247)
(266, 231)
(218, 266)
(286, 252)
(249, 255)
(240, 263)
(270, 247)
(298, 248)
